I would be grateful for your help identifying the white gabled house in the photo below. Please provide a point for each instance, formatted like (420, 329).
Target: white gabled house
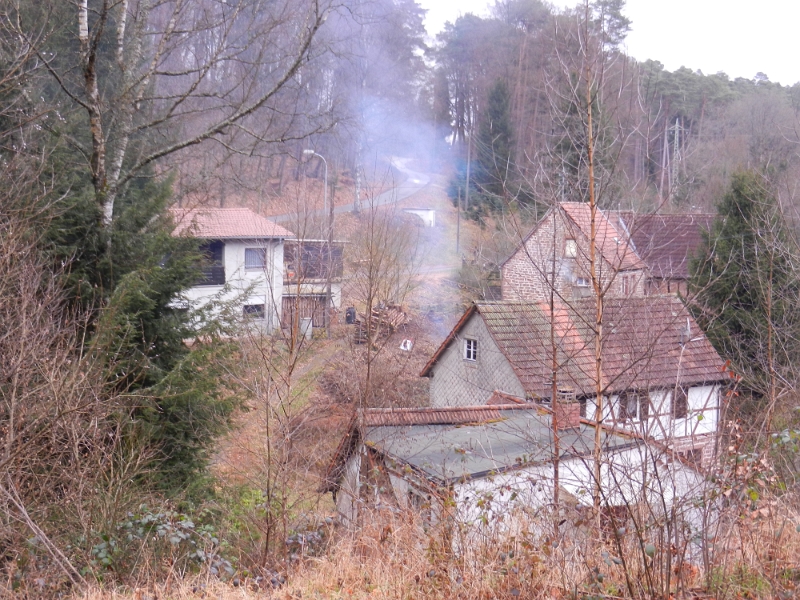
(245, 253)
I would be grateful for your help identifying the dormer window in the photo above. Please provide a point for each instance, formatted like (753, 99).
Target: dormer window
(470, 349)
(570, 248)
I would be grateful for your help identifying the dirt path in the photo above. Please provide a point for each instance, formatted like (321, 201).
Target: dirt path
(435, 303)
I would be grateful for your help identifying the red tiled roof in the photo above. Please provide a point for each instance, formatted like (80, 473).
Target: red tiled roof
(225, 223)
(665, 243)
(612, 243)
(456, 415)
(501, 398)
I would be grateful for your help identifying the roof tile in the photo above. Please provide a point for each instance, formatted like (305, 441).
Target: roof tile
(225, 223)
(610, 241)
(648, 342)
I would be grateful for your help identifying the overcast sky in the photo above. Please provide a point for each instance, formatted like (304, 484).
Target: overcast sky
(739, 37)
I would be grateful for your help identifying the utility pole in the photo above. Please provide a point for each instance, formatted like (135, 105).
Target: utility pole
(469, 161)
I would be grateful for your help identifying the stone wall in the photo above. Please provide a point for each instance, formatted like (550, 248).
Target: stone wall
(540, 263)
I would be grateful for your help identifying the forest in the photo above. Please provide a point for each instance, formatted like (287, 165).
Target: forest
(122, 407)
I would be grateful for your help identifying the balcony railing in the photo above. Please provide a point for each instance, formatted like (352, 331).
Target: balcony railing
(213, 275)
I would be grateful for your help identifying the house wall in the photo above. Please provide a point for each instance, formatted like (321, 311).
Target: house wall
(265, 285)
(348, 494)
(657, 286)
(459, 382)
(636, 474)
(529, 273)
(694, 432)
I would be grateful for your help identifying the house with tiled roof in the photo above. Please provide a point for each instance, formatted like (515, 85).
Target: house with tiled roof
(636, 254)
(556, 255)
(481, 467)
(245, 256)
(658, 374)
(666, 245)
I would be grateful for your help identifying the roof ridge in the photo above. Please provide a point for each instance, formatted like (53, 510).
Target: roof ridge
(445, 409)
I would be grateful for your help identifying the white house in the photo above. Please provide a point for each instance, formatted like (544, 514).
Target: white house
(659, 375)
(244, 252)
(487, 466)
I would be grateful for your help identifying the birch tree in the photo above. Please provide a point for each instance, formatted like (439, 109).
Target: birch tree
(147, 80)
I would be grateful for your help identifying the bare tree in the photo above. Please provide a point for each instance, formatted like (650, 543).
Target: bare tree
(154, 79)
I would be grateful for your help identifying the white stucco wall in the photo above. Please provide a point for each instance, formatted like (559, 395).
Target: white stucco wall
(265, 285)
(629, 477)
(702, 416)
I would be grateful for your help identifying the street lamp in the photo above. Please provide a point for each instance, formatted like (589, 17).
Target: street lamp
(310, 152)
(328, 295)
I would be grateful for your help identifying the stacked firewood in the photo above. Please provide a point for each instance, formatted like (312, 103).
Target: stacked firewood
(385, 320)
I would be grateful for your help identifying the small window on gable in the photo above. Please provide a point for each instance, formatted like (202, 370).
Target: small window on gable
(570, 248)
(470, 349)
(254, 311)
(627, 285)
(255, 258)
(680, 403)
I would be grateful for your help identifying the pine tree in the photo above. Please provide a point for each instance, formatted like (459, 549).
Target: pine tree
(493, 143)
(742, 288)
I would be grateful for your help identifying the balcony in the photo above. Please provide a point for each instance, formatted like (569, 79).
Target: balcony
(212, 275)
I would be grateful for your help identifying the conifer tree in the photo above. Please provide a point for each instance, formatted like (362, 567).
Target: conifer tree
(494, 141)
(742, 288)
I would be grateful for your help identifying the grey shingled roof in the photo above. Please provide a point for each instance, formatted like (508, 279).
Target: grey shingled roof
(514, 438)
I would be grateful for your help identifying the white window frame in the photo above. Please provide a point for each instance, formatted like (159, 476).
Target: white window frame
(582, 282)
(256, 250)
(471, 349)
(570, 248)
(625, 414)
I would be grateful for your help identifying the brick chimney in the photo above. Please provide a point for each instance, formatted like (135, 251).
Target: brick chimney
(568, 409)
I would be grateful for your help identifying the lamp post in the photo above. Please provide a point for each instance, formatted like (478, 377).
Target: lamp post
(328, 295)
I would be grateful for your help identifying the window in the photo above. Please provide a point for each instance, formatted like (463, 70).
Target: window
(255, 258)
(213, 267)
(582, 282)
(633, 406)
(570, 249)
(254, 311)
(680, 403)
(627, 285)
(470, 349)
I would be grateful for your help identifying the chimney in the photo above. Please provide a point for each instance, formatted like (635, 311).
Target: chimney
(567, 409)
